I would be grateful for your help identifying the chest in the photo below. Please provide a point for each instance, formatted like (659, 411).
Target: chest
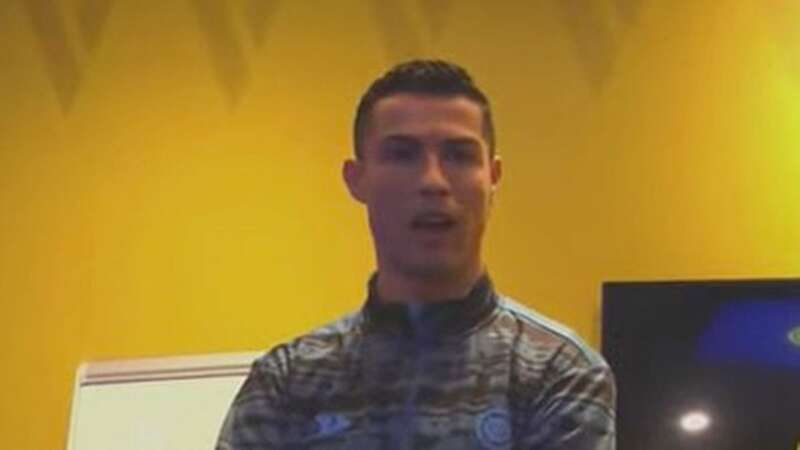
(392, 396)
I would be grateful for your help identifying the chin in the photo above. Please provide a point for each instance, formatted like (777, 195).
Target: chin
(434, 270)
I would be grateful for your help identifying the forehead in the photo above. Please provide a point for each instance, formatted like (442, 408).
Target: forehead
(425, 115)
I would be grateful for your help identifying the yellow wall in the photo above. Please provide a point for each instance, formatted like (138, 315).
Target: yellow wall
(169, 171)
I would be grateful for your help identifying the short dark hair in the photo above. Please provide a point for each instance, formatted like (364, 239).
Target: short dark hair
(428, 77)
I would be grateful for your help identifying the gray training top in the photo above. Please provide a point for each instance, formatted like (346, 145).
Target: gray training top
(481, 372)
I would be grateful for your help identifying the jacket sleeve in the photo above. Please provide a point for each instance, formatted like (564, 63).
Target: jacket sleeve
(256, 418)
(574, 411)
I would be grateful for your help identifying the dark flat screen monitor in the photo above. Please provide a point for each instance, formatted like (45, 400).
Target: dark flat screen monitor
(705, 365)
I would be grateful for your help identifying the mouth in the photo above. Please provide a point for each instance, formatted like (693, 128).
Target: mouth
(434, 222)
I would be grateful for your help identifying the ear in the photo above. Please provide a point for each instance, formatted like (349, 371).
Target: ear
(496, 168)
(353, 176)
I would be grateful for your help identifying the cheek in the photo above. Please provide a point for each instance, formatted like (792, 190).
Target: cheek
(386, 199)
(474, 199)
(386, 208)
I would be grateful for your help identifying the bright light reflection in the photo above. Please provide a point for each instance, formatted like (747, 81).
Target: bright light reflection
(695, 421)
(794, 336)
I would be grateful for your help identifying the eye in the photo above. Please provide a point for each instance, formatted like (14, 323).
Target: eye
(461, 152)
(399, 151)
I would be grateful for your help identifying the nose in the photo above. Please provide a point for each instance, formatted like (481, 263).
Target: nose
(433, 179)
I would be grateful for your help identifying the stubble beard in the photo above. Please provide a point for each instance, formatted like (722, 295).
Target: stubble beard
(438, 269)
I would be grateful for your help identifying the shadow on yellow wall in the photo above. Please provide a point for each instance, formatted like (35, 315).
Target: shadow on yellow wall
(169, 171)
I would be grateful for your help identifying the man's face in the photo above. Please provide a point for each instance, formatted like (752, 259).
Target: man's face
(427, 179)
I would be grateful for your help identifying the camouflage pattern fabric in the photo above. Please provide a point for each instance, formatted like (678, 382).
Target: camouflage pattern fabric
(481, 372)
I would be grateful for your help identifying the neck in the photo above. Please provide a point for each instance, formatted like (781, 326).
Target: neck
(395, 287)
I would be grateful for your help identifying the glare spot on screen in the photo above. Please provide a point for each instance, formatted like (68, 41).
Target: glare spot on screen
(794, 335)
(695, 422)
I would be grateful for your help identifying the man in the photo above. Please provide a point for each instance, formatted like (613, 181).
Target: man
(435, 359)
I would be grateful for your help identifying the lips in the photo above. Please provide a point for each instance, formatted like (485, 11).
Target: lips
(433, 221)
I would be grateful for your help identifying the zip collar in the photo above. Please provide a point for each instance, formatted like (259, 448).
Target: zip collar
(429, 320)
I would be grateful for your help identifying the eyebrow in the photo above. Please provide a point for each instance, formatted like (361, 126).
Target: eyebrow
(399, 138)
(463, 141)
(404, 138)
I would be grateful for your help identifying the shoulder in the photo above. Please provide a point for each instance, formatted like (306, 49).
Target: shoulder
(324, 343)
(281, 382)
(537, 337)
(567, 393)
